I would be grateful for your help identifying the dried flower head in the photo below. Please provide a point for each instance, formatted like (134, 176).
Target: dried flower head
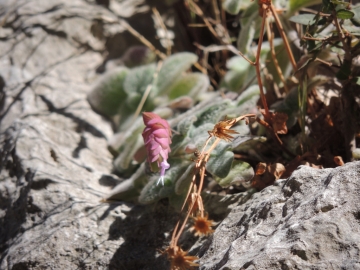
(157, 139)
(222, 130)
(179, 259)
(202, 226)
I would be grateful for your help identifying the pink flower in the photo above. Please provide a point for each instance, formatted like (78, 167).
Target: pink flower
(157, 139)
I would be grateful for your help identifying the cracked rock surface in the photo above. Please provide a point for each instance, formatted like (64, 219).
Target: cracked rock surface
(54, 163)
(309, 221)
(55, 167)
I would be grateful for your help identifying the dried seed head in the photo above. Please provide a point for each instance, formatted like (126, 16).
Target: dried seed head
(222, 130)
(180, 260)
(202, 226)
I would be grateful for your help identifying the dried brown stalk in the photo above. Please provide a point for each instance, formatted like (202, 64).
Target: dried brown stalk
(273, 54)
(202, 225)
(163, 26)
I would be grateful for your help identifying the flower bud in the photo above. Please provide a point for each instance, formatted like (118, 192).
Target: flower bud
(157, 139)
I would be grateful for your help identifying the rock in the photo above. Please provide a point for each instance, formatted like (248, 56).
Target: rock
(54, 163)
(309, 221)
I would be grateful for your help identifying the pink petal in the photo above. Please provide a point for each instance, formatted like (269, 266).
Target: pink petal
(157, 139)
(154, 158)
(152, 145)
(148, 139)
(147, 116)
(164, 142)
(161, 133)
(164, 154)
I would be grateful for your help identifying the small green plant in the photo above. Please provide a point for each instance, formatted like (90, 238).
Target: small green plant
(310, 103)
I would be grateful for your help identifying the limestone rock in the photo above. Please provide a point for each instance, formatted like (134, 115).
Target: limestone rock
(309, 221)
(54, 163)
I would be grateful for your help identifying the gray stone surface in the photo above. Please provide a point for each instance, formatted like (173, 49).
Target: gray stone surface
(309, 221)
(54, 163)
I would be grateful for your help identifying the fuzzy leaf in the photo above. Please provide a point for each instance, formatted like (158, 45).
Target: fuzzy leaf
(123, 162)
(356, 18)
(190, 84)
(212, 113)
(182, 184)
(234, 6)
(305, 19)
(248, 96)
(153, 192)
(245, 103)
(354, 30)
(245, 143)
(296, 5)
(220, 160)
(237, 76)
(108, 94)
(251, 23)
(282, 58)
(172, 68)
(138, 79)
(240, 172)
(135, 85)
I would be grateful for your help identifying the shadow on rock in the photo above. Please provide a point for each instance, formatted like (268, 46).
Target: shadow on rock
(146, 232)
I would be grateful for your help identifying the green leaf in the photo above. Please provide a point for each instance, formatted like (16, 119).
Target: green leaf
(240, 172)
(244, 104)
(236, 77)
(139, 78)
(248, 95)
(191, 84)
(344, 14)
(245, 143)
(185, 124)
(296, 5)
(199, 134)
(108, 94)
(212, 113)
(220, 160)
(356, 19)
(135, 85)
(282, 58)
(183, 183)
(251, 24)
(153, 192)
(354, 30)
(234, 6)
(305, 19)
(123, 162)
(172, 68)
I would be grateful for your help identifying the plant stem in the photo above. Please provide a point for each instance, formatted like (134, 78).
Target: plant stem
(283, 35)
(257, 66)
